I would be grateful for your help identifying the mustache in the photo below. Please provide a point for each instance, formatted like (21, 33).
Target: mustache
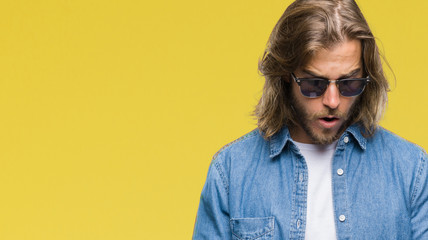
(328, 112)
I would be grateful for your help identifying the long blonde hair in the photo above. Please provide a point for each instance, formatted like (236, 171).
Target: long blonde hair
(306, 27)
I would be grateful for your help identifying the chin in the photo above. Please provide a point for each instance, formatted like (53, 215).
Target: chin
(324, 137)
(325, 140)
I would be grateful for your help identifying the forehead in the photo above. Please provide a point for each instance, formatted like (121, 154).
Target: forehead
(337, 60)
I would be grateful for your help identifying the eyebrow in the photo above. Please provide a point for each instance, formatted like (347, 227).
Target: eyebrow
(350, 74)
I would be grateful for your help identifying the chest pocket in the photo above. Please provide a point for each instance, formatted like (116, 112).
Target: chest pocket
(252, 228)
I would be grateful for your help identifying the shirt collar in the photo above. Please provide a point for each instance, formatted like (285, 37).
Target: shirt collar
(356, 130)
(279, 140)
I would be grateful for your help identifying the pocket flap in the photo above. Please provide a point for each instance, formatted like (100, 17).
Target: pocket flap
(252, 228)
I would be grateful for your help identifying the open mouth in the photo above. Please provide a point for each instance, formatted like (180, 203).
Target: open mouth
(329, 119)
(328, 122)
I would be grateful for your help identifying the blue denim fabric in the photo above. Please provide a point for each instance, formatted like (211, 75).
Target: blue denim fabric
(256, 189)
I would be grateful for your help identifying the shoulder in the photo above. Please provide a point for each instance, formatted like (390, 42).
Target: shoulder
(235, 155)
(389, 141)
(237, 144)
(240, 151)
(403, 156)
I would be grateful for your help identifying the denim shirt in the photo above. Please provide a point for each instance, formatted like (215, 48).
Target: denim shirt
(257, 189)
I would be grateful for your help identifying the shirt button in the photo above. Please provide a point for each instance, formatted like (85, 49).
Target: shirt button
(342, 218)
(301, 177)
(346, 139)
(340, 172)
(298, 223)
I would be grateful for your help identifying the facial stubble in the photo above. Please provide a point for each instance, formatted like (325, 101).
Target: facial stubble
(327, 136)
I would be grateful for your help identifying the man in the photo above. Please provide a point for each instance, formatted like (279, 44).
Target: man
(318, 166)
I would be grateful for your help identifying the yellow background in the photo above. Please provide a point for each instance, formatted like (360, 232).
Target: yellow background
(112, 110)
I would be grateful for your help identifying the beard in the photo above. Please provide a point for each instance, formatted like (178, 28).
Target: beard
(325, 136)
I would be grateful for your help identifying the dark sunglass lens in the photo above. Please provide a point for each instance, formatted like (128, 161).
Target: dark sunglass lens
(313, 87)
(350, 88)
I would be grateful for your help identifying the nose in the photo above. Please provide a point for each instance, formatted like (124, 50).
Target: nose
(331, 97)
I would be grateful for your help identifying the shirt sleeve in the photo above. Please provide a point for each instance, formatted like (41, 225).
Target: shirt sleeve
(212, 220)
(420, 201)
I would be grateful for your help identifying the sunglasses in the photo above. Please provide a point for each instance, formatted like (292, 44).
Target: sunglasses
(316, 87)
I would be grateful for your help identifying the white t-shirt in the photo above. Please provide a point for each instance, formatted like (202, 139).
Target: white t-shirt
(320, 214)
